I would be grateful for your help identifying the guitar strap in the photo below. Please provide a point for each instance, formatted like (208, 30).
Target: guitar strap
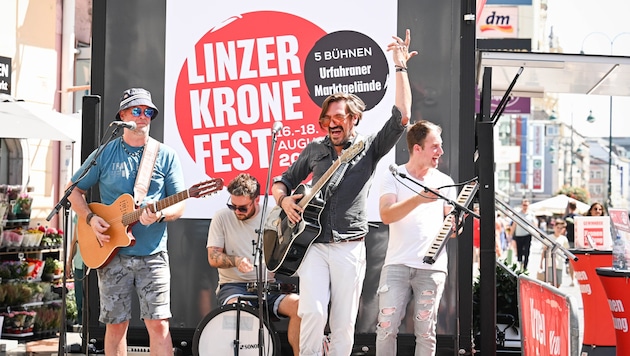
(340, 173)
(145, 170)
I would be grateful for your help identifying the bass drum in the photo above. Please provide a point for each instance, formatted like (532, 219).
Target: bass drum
(216, 333)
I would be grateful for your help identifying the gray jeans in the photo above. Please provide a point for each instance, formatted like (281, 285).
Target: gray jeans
(394, 292)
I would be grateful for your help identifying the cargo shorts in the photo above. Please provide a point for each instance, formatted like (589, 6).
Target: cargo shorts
(148, 276)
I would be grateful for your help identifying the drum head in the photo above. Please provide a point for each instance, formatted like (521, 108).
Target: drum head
(216, 333)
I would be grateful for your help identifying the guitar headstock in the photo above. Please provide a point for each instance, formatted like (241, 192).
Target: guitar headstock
(205, 188)
(352, 152)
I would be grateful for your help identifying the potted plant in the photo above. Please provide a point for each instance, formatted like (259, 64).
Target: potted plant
(49, 269)
(22, 207)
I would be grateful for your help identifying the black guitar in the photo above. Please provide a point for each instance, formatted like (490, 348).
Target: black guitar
(284, 243)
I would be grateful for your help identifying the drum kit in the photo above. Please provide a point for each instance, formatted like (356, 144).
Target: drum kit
(233, 329)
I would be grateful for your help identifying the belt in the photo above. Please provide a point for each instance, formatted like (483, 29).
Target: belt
(353, 240)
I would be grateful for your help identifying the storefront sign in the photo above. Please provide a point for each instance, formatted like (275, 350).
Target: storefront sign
(5, 75)
(498, 22)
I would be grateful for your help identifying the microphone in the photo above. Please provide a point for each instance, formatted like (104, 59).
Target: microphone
(131, 125)
(394, 170)
(277, 126)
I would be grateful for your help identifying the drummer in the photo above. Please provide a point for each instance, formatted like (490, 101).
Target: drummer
(230, 237)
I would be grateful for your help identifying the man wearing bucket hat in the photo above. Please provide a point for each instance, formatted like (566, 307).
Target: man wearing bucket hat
(142, 267)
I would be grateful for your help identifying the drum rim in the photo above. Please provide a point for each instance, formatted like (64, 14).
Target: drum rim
(229, 307)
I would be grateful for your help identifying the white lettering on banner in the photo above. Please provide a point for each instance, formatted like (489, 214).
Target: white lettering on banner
(340, 71)
(222, 146)
(4, 85)
(580, 275)
(616, 306)
(4, 70)
(554, 343)
(293, 144)
(621, 324)
(343, 53)
(356, 87)
(249, 105)
(585, 289)
(538, 323)
(221, 59)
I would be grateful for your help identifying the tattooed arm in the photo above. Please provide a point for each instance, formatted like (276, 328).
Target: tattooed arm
(219, 259)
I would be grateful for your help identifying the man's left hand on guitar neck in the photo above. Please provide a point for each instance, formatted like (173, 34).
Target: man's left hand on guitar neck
(148, 217)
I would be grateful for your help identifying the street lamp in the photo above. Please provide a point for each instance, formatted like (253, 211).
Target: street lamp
(590, 117)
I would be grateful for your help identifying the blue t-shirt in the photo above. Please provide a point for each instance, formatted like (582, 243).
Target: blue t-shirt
(115, 172)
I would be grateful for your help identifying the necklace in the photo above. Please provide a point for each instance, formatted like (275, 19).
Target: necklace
(132, 154)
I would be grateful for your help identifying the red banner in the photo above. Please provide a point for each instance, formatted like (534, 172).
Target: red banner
(616, 284)
(544, 320)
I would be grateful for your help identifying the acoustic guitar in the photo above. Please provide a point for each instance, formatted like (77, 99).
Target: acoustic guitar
(284, 243)
(121, 215)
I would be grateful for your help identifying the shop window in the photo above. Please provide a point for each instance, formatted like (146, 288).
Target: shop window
(11, 161)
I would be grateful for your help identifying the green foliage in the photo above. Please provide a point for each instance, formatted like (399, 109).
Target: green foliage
(51, 265)
(71, 306)
(576, 193)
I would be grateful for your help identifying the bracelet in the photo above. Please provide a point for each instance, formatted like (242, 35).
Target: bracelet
(162, 217)
(280, 200)
(89, 217)
(401, 69)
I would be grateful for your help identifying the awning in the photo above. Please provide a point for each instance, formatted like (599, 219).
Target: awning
(556, 73)
(19, 119)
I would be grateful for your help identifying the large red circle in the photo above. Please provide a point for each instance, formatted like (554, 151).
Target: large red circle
(246, 74)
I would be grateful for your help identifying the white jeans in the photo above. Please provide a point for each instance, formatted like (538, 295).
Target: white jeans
(330, 272)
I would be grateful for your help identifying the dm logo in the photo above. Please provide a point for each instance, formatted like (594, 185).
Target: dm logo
(498, 23)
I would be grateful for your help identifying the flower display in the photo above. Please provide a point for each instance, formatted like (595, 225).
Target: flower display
(19, 322)
(23, 204)
(12, 238)
(52, 237)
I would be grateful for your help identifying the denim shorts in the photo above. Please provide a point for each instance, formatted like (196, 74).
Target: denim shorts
(228, 291)
(148, 276)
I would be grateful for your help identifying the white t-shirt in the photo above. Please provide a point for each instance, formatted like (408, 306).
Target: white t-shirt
(411, 236)
(236, 237)
(560, 258)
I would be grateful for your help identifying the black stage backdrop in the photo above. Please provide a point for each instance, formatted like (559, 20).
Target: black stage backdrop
(128, 50)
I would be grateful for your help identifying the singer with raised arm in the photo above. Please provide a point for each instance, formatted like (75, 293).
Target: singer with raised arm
(414, 219)
(333, 267)
(138, 165)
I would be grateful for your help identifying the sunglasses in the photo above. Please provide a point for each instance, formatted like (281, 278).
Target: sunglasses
(148, 112)
(239, 208)
(338, 119)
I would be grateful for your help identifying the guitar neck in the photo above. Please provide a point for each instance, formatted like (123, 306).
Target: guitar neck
(320, 183)
(132, 217)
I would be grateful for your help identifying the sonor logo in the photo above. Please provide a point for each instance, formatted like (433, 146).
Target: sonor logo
(496, 22)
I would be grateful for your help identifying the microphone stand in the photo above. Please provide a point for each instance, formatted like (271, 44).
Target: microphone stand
(258, 262)
(64, 203)
(455, 204)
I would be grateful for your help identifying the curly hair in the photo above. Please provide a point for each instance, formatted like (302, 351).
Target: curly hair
(244, 185)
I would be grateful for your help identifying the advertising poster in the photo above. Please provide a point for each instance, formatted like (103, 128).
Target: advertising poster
(593, 230)
(233, 71)
(619, 218)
